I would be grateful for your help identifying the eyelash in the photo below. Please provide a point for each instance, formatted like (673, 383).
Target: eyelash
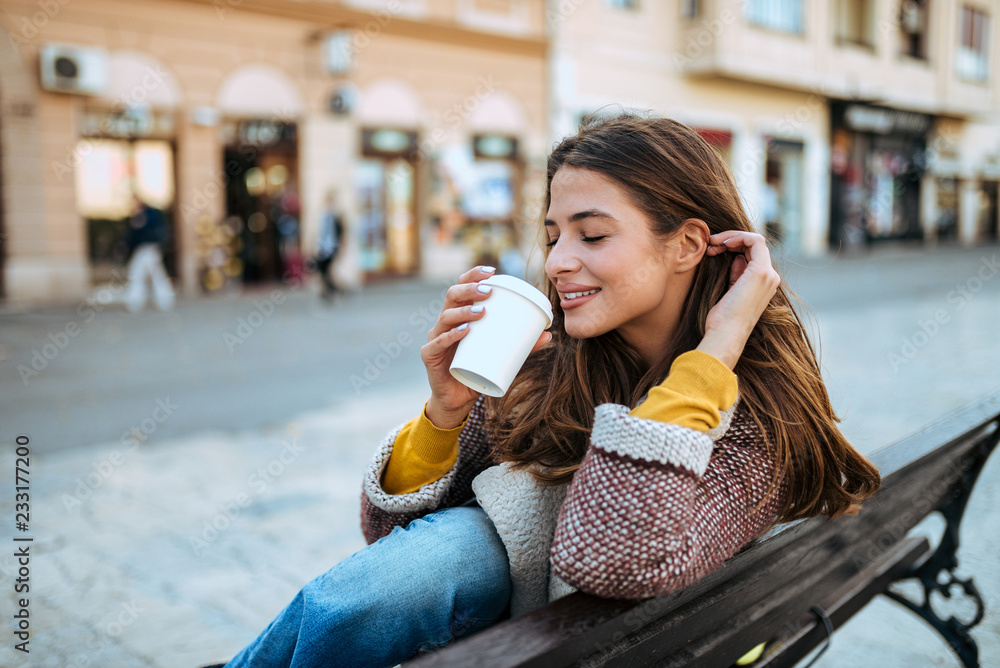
(588, 240)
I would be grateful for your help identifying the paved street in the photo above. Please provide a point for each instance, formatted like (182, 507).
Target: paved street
(193, 469)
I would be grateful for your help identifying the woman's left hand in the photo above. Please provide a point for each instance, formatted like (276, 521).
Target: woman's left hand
(752, 283)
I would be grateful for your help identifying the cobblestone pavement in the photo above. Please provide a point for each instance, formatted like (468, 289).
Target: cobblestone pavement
(178, 550)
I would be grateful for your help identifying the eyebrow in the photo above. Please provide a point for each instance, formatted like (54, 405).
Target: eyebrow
(581, 215)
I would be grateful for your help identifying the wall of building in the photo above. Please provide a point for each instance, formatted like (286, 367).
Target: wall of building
(197, 50)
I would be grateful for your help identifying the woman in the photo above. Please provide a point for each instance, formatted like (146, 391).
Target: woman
(626, 460)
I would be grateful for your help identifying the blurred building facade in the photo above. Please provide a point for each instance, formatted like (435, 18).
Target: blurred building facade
(843, 121)
(427, 122)
(422, 121)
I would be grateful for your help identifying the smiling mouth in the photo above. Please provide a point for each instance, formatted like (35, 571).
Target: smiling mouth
(576, 295)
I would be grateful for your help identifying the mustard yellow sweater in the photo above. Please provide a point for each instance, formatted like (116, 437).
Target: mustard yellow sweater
(695, 391)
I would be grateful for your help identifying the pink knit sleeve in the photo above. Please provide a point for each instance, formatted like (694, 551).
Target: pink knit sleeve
(382, 511)
(651, 511)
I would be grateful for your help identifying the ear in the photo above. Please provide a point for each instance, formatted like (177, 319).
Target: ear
(692, 242)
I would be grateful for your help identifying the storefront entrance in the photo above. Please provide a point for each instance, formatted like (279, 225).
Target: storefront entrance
(783, 192)
(262, 202)
(121, 158)
(385, 183)
(878, 158)
(989, 217)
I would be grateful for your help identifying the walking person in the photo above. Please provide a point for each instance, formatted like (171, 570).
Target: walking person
(147, 232)
(674, 412)
(331, 232)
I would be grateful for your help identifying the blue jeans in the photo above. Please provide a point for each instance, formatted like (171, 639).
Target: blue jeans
(444, 576)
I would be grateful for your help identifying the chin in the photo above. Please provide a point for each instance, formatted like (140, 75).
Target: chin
(579, 326)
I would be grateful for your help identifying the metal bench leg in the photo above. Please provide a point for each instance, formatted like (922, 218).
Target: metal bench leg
(945, 559)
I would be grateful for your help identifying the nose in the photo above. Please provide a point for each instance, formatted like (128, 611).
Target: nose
(561, 261)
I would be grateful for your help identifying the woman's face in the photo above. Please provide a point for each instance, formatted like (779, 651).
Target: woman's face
(609, 269)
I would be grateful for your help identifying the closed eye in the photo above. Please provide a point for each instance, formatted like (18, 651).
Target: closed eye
(586, 239)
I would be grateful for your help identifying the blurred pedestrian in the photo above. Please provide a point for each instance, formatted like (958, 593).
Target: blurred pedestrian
(147, 232)
(331, 232)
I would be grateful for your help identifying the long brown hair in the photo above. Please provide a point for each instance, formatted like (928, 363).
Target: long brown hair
(672, 175)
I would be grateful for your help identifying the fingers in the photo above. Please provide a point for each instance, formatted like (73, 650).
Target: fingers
(437, 346)
(468, 290)
(754, 251)
(451, 318)
(476, 274)
(751, 245)
(734, 240)
(542, 340)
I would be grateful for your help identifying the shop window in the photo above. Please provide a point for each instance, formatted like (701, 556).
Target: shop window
(971, 62)
(111, 174)
(386, 191)
(913, 28)
(856, 22)
(947, 209)
(780, 15)
(988, 228)
(783, 193)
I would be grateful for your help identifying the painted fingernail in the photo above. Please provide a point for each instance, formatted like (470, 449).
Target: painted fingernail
(487, 270)
(485, 289)
(478, 308)
(464, 325)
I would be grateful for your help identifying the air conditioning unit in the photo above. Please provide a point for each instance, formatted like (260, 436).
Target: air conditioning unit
(74, 69)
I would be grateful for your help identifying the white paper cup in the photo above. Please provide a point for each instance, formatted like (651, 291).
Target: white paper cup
(495, 348)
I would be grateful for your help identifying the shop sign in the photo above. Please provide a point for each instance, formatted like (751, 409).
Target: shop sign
(886, 121)
(388, 142)
(494, 146)
(264, 132)
(127, 123)
(716, 138)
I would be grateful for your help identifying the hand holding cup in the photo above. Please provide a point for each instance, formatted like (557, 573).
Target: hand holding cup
(451, 400)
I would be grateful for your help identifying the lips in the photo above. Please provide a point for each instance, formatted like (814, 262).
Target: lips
(573, 295)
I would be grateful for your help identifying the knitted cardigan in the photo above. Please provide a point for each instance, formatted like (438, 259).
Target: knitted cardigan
(653, 507)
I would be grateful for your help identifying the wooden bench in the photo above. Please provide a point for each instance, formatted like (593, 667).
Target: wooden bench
(792, 588)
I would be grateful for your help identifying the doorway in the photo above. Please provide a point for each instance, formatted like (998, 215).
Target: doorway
(385, 191)
(989, 218)
(262, 201)
(783, 193)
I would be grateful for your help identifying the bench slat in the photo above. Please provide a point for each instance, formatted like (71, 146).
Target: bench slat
(757, 592)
